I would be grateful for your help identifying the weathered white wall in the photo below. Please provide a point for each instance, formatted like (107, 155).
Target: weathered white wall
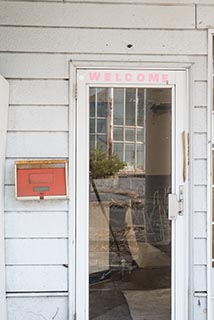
(37, 41)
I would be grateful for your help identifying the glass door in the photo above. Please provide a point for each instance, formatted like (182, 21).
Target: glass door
(130, 179)
(131, 156)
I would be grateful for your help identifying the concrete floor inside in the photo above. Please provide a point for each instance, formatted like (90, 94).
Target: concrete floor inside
(142, 294)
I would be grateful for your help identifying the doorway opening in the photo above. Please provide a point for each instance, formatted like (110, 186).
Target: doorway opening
(130, 156)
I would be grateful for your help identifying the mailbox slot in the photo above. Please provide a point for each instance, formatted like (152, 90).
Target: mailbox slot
(41, 179)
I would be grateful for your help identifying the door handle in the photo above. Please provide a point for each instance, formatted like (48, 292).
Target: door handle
(175, 204)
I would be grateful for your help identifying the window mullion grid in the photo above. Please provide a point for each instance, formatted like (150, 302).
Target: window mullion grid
(111, 125)
(95, 120)
(135, 141)
(124, 125)
(144, 128)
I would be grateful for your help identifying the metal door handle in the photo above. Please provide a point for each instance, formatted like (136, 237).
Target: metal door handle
(175, 205)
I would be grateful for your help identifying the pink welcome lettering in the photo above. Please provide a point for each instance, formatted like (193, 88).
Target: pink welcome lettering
(94, 76)
(140, 77)
(117, 77)
(107, 76)
(128, 77)
(153, 77)
(165, 77)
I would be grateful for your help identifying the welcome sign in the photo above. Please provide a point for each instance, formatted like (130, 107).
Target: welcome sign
(127, 76)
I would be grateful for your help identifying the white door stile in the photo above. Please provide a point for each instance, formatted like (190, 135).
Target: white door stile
(72, 193)
(178, 83)
(180, 232)
(4, 96)
(82, 198)
(210, 129)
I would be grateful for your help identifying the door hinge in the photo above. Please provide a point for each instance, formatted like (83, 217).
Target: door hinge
(75, 316)
(75, 92)
(175, 204)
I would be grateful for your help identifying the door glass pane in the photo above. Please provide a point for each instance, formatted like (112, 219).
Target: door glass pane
(129, 230)
(130, 106)
(119, 102)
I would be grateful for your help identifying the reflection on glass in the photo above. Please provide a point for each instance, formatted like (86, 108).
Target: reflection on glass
(118, 149)
(118, 134)
(92, 102)
(140, 156)
(119, 102)
(140, 134)
(102, 102)
(102, 142)
(130, 134)
(102, 125)
(129, 230)
(130, 106)
(140, 107)
(130, 154)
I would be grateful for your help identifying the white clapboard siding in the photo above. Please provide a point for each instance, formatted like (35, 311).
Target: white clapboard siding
(36, 224)
(94, 15)
(200, 278)
(212, 283)
(200, 257)
(11, 204)
(36, 278)
(37, 308)
(200, 93)
(48, 118)
(205, 16)
(200, 146)
(200, 308)
(102, 41)
(200, 120)
(200, 198)
(200, 225)
(200, 172)
(42, 92)
(212, 127)
(37, 144)
(173, 2)
(36, 251)
(13, 65)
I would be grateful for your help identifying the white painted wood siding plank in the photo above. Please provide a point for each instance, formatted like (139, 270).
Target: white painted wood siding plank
(200, 120)
(11, 204)
(35, 308)
(36, 278)
(205, 16)
(200, 96)
(38, 92)
(9, 171)
(13, 65)
(212, 127)
(37, 144)
(212, 283)
(36, 251)
(173, 2)
(36, 224)
(102, 41)
(200, 308)
(95, 15)
(200, 278)
(200, 225)
(200, 172)
(48, 118)
(199, 146)
(199, 198)
(200, 249)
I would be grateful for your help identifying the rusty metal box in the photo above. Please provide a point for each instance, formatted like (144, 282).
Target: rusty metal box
(41, 179)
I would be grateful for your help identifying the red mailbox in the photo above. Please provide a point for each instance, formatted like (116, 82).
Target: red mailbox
(41, 179)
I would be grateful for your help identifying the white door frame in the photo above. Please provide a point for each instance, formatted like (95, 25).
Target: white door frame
(4, 97)
(178, 81)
